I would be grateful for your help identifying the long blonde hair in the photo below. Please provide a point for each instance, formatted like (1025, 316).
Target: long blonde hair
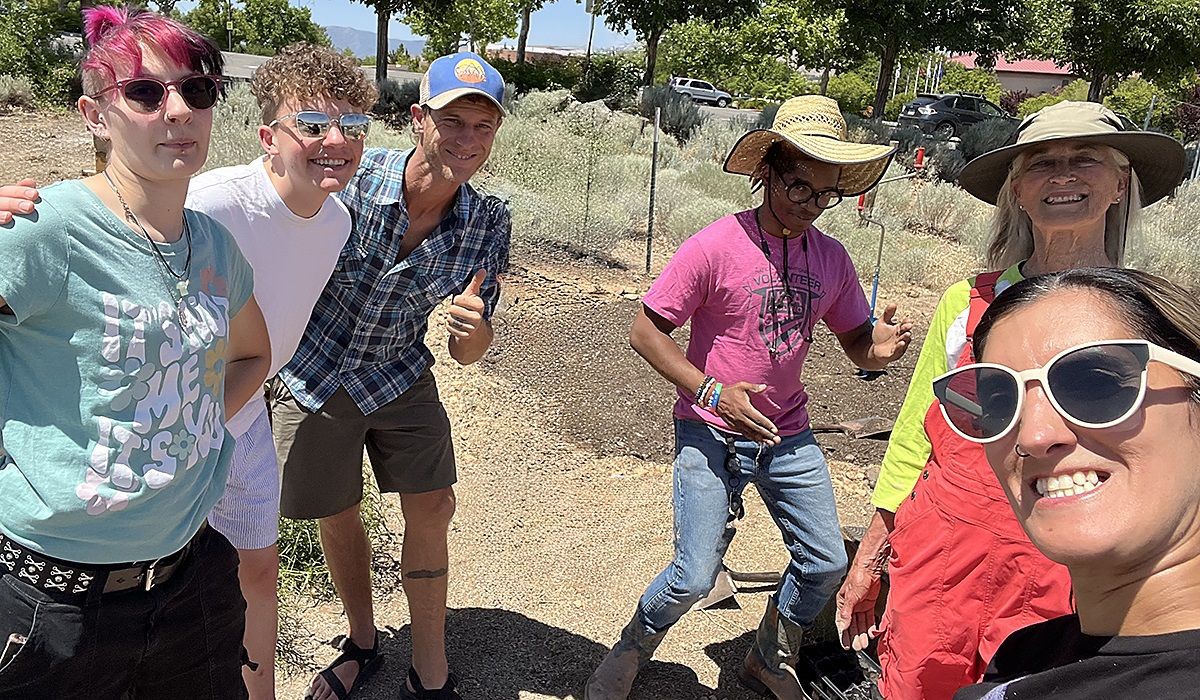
(1012, 231)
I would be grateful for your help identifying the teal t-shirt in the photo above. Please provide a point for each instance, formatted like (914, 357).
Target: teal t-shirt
(112, 425)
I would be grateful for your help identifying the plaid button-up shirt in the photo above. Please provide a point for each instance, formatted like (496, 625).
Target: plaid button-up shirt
(367, 330)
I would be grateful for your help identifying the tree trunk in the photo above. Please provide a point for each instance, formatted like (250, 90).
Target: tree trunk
(825, 81)
(1096, 89)
(651, 55)
(382, 17)
(523, 36)
(887, 65)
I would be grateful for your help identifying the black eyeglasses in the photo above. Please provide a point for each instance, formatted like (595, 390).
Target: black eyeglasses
(801, 192)
(1094, 385)
(148, 94)
(315, 125)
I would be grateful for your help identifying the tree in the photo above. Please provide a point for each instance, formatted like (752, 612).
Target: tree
(271, 25)
(527, 7)
(209, 17)
(384, 9)
(650, 19)
(804, 36)
(891, 27)
(1107, 41)
(447, 23)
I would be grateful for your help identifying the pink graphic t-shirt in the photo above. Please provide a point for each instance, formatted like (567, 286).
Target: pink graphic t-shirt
(749, 323)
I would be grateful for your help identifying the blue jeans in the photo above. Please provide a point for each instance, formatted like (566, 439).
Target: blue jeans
(792, 479)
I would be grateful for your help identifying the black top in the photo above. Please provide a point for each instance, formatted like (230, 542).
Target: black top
(1054, 659)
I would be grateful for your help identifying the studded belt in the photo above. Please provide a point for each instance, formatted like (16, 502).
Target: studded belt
(69, 578)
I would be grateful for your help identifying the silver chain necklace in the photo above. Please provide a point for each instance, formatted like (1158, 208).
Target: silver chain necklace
(176, 282)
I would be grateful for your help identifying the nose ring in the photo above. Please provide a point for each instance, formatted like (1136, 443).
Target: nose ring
(1020, 453)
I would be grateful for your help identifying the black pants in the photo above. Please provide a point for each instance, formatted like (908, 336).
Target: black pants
(182, 640)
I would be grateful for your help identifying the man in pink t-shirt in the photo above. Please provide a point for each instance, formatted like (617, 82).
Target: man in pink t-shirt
(753, 285)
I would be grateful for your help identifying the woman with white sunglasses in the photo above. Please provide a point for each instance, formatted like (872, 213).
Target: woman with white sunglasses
(127, 334)
(963, 575)
(1087, 402)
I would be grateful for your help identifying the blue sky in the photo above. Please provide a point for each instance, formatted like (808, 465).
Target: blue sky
(559, 23)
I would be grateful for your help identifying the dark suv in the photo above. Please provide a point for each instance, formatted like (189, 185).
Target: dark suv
(948, 115)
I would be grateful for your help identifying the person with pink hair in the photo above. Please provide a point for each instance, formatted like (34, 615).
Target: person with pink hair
(128, 332)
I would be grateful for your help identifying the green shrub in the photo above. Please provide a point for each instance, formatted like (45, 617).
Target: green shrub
(564, 75)
(985, 136)
(680, 116)
(852, 92)
(1077, 91)
(396, 100)
(542, 104)
(613, 78)
(891, 111)
(767, 117)
(30, 48)
(1132, 98)
(865, 130)
(15, 92)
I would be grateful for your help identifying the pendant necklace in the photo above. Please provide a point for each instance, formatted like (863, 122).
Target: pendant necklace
(176, 282)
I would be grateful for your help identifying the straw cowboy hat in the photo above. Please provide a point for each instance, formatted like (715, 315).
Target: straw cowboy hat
(814, 125)
(1156, 158)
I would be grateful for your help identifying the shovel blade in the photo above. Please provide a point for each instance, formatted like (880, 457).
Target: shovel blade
(723, 589)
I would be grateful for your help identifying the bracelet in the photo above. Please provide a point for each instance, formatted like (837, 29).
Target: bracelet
(716, 397)
(703, 389)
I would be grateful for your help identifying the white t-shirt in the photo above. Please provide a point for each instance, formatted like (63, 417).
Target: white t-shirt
(292, 257)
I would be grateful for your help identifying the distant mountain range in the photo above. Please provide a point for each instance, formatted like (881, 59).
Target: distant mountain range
(363, 43)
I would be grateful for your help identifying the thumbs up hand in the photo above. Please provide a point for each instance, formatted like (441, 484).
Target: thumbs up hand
(465, 315)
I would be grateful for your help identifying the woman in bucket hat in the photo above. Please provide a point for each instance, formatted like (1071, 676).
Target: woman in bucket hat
(963, 573)
(753, 285)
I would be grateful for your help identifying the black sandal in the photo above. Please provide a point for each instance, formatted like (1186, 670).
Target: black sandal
(420, 692)
(367, 659)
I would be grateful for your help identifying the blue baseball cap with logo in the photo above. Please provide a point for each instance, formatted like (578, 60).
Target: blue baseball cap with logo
(458, 75)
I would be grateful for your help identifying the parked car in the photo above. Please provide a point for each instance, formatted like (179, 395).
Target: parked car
(701, 91)
(948, 115)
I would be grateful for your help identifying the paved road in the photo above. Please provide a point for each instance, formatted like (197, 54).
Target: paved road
(729, 113)
(241, 66)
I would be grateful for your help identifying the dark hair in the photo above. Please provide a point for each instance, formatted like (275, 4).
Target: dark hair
(1154, 309)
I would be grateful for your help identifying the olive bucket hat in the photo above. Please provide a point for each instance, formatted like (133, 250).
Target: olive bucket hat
(1157, 159)
(814, 125)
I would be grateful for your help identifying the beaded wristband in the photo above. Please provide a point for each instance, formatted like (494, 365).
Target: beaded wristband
(703, 389)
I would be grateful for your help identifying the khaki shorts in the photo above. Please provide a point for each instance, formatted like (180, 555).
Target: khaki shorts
(320, 453)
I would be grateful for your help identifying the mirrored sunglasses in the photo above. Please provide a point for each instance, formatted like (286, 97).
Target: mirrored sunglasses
(316, 125)
(148, 94)
(1094, 385)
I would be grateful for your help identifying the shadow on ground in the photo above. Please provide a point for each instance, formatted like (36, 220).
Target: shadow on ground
(498, 655)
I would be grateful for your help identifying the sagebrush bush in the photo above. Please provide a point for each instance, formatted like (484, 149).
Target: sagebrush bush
(396, 100)
(680, 116)
(16, 92)
(984, 136)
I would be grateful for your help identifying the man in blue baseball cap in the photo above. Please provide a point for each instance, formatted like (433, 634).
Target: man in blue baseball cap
(361, 377)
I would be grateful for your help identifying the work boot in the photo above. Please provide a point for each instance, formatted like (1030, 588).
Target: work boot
(770, 666)
(613, 678)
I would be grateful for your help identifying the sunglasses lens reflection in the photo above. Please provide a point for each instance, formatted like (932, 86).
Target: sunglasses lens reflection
(316, 124)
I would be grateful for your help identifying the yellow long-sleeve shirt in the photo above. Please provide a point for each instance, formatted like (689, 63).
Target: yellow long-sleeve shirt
(909, 447)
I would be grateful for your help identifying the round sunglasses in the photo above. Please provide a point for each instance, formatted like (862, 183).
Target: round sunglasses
(148, 94)
(314, 125)
(1094, 385)
(800, 192)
